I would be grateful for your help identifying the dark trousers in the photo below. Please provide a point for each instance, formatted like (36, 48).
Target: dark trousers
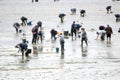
(34, 40)
(82, 14)
(102, 36)
(53, 36)
(61, 19)
(62, 47)
(35, 0)
(108, 10)
(84, 39)
(23, 52)
(24, 22)
(16, 30)
(73, 32)
(40, 37)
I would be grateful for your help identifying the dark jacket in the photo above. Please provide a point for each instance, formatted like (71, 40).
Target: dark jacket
(73, 27)
(22, 46)
(53, 32)
(35, 30)
(108, 30)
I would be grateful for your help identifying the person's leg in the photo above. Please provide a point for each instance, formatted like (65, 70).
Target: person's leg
(83, 14)
(82, 42)
(61, 19)
(62, 47)
(116, 19)
(75, 34)
(72, 34)
(36, 0)
(41, 38)
(107, 11)
(109, 37)
(102, 37)
(32, 39)
(26, 22)
(26, 54)
(86, 41)
(23, 22)
(22, 53)
(75, 11)
(16, 30)
(54, 37)
(36, 36)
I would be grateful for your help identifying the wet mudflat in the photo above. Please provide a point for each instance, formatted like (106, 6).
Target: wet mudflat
(97, 61)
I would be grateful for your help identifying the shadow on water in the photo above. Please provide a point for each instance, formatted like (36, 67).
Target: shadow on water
(84, 51)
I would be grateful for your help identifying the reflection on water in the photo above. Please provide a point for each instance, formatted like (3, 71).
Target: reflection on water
(84, 51)
(62, 62)
(23, 64)
(35, 50)
(62, 54)
(40, 48)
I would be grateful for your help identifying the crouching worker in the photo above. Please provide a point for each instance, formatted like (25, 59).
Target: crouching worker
(82, 13)
(53, 34)
(117, 17)
(23, 47)
(24, 20)
(16, 26)
(73, 10)
(108, 8)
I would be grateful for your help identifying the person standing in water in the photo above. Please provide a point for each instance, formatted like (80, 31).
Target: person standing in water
(83, 37)
(109, 31)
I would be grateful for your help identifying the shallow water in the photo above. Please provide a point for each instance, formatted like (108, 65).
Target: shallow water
(98, 61)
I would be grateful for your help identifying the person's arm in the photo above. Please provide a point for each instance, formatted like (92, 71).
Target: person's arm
(19, 48)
